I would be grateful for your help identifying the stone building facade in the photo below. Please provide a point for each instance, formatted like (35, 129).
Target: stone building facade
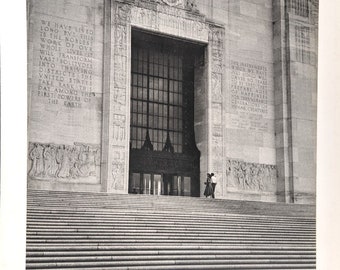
(148, 96)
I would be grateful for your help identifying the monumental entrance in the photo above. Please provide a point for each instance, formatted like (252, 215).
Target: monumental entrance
(146, 127)
(164, 158)
(148, 96)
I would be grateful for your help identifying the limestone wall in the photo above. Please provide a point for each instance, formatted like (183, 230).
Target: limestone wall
(65, 50)
(249, 138)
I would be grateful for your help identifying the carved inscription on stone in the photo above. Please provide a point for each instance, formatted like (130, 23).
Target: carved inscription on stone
(65, 63)
(50, 161)
(249, 95)
(251, 176)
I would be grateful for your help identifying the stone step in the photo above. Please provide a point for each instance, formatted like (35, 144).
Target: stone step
(126, 213)
(151, 224)
(101, 257)
(167, 247)
(68, 230)
(153, 201)
(168, 209)
(150, 233)
(192, 232)
(161, 214)
(206, 267)
(167, 261)
(173, 242)
(164, 251)
(157, 238)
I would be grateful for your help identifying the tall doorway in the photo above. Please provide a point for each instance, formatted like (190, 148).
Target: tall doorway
(164, 159)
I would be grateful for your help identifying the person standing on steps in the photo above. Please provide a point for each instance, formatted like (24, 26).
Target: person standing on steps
(208, 187)
(213, 184)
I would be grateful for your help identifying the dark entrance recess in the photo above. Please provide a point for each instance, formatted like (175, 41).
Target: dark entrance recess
(164, 159)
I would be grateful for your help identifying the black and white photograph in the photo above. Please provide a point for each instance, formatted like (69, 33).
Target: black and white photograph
(169, 134)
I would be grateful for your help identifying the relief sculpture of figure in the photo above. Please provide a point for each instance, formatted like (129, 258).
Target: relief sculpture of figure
(47, 160)
(92, 162)
(63, 161)
(74, 163)
(261, 177)
(36, 155)
(54, 165)
(247, 176)
(242, 174)
(253, 176)
(84, 161)
(117, 175)
(59, 158)
(64, 170)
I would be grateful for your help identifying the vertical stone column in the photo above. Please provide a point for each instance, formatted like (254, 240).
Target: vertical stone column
(116, 98)
(215, 105)
(302, 62)
(282, 104)
(295, 66)
(201, 116)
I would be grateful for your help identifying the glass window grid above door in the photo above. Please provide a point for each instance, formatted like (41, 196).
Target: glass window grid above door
(156, 97)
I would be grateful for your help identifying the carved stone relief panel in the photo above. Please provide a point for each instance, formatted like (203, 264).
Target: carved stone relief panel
(119, 129)
(216, 81)
(216, 40)
(122, 13)
(120, 65)
(171, 24)
(120, 39)
(189, 5)
(119, 98)
(117, 169)
(251, 176)
(49, 161)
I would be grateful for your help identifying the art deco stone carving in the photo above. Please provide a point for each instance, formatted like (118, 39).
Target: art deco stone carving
(123, 13)
(117, 169)
(185, 4)
(117, 176)
(50, 161)
(251, 176)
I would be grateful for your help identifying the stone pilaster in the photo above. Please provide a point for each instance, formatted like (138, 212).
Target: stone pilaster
(116, 99)
(295, 32)
(282, 104)
(215, 105)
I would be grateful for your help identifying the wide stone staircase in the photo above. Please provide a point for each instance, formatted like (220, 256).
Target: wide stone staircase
(77, 230)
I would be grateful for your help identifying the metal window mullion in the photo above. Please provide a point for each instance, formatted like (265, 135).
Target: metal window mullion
(148, 89)
(157, 76)
(168, 92)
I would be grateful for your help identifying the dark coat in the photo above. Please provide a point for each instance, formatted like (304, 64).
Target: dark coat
(208, 188)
